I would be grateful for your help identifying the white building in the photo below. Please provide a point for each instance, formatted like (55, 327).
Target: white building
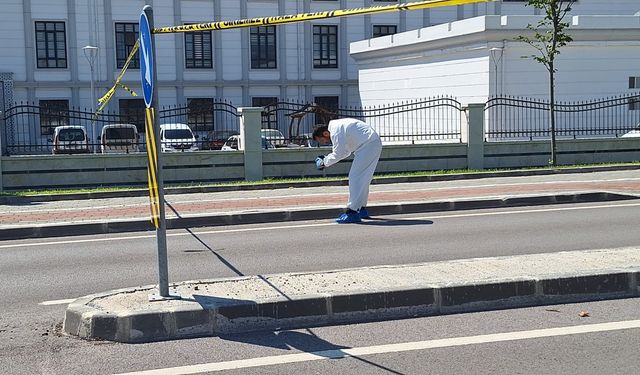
(477, 58)
(43, 60)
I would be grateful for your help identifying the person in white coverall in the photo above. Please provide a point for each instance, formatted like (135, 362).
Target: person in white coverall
(349, 136)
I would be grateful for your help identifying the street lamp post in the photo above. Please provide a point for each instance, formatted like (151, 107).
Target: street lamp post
(91, 52)
(496, 56)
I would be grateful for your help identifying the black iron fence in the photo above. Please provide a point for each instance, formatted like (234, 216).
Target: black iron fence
(205, 124)
(509, 118)
(58, 129)
(428, 120)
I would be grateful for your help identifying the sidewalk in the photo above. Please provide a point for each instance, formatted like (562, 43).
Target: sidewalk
(37, 217)
(298, 300)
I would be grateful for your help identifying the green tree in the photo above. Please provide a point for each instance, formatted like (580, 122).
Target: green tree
(550, 34)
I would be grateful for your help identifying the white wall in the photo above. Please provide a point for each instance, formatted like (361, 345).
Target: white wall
(12, 40)
(233, 70)
(463, 75)
(413, 65)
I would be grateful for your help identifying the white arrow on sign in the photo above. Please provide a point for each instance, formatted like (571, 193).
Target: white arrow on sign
(147, 71)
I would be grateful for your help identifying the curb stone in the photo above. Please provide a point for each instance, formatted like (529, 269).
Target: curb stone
(123, 226)
(126, 316)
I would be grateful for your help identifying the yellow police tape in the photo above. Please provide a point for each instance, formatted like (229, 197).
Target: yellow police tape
(104, 100)
(250, 22)
(262, 21)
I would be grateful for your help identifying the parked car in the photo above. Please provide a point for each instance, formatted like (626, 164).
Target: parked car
(119, 138)
(232, 143)
(632, 133)
(214, 140)
(70, 139)
(304, 140)
(177, 137)
(274, 136)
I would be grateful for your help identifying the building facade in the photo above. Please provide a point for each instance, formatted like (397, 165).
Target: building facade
(44, 62)
(479, 58)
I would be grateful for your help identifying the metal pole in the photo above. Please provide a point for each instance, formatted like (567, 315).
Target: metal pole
(161, 231)
(90, 52)
(93, 110)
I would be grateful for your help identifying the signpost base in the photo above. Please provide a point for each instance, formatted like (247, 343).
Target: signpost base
(156, 297)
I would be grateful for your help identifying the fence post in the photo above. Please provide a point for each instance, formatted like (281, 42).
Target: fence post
(2, 131)
(473, 135)
(251, 142)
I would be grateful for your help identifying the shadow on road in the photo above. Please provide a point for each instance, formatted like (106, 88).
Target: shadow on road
(395, 222)
(306, 342)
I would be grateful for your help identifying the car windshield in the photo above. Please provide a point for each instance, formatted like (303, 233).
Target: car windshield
(271, 133)
(178, 134)
(119, 133)
(71, 135)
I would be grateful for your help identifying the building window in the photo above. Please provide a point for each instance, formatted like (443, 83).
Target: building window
(53, 113)
(382, 30)
(329, 103)
(263, 47)
(634, 82)
(126, 38)
(325, 46)
(200, 114)
(269, 120)
(51, 45)
(132, 112)
(197, 50)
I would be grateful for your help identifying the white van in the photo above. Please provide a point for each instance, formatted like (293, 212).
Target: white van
(119, 138)
(70, 139)
(177, 137)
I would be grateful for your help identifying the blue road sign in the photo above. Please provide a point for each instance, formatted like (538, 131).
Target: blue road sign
(146, 60)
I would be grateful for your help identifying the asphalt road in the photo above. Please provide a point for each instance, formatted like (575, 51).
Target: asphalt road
(39, 271)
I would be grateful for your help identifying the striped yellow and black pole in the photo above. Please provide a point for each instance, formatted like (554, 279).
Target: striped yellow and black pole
(152, 166)
(302, 17)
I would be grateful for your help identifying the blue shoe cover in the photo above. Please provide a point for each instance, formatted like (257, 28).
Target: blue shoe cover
(351, 217)
(364, 214)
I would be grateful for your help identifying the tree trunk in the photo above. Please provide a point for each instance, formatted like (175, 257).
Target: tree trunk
(552, 115)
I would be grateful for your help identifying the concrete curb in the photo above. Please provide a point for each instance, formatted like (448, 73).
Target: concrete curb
(199, 315)
(299, 215)
(287, 185)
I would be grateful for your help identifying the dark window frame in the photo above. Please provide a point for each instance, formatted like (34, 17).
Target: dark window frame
(325, 46)
(53, 112)
(264, 47)
(200, 114)
(198, 50)
(270, 122)
(126, 35)
(383, 30)
(131, 113)
(49, 53)
(329, 102)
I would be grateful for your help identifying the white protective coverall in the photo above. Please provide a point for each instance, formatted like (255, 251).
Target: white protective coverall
(354, 136)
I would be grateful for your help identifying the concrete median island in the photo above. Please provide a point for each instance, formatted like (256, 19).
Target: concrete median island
(297, 300)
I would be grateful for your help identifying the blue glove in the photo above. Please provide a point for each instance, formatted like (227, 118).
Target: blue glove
(320, 162)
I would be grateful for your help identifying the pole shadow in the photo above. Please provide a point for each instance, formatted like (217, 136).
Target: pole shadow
(305, 342)
(394, 222)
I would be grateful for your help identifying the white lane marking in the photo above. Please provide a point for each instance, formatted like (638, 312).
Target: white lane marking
(380, 189)
(296, 226)
(391, 348)
(57, 302)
